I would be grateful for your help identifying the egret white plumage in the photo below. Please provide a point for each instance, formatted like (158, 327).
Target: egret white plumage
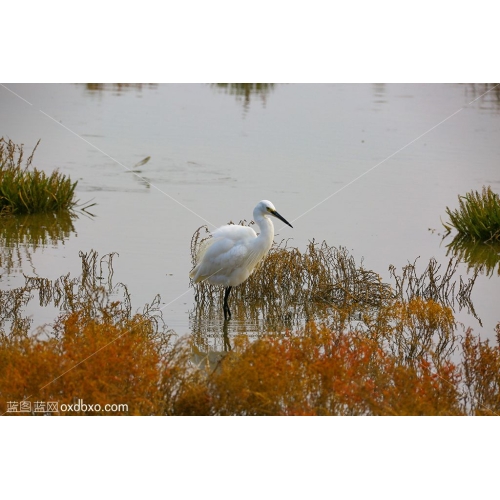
(230, 256)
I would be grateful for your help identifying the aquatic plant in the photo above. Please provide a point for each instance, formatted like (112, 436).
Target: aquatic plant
(478, 217)
(25, 190)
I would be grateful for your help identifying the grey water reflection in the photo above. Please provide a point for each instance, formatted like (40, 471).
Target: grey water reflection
(210, 329)
(379, 93)
(118, 88)
(212, 335)
(22, 235)
(246, 91)
(490, 93)
(479, 256)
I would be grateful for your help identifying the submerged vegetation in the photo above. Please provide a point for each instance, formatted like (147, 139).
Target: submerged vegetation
(378, 351)
(26, 190)
(478, 218)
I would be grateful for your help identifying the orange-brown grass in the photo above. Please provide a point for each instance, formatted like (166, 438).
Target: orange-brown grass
(313, 372)
(414, 329)
(96, 361)
(100, 352)
(320, 372)
(481, 374)
(398, 364)
(97, 350)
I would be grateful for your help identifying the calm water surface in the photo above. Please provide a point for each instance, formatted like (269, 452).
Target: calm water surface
(215, 151)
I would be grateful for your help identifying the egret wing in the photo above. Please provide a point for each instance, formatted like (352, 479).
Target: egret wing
(223, 254)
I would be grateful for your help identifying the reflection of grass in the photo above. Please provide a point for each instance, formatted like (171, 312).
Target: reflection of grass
(477, 254)
(118, 87)
(246, 90)
(490, 93)
(478, 217)
(25, 190)
(25, 233)
(99, 351)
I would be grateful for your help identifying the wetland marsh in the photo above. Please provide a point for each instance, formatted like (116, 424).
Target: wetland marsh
(362, 172)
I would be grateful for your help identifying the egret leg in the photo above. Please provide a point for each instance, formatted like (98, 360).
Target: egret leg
(227, 312)
(227, 344)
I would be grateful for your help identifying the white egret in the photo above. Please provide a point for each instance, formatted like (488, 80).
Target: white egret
(230, 256)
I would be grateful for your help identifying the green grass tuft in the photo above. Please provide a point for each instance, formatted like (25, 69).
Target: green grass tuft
(478, 218)
(25, 190)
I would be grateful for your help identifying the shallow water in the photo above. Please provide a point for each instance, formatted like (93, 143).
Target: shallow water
(368, 167)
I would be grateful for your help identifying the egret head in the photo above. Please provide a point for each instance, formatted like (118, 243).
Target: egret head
(265, 208)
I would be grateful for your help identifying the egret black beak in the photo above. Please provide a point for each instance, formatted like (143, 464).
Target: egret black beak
(277, 215)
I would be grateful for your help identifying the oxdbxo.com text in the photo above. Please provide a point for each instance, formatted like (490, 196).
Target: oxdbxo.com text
(80, 406)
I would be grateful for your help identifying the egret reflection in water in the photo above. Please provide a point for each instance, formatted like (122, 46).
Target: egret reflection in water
(210, 353)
